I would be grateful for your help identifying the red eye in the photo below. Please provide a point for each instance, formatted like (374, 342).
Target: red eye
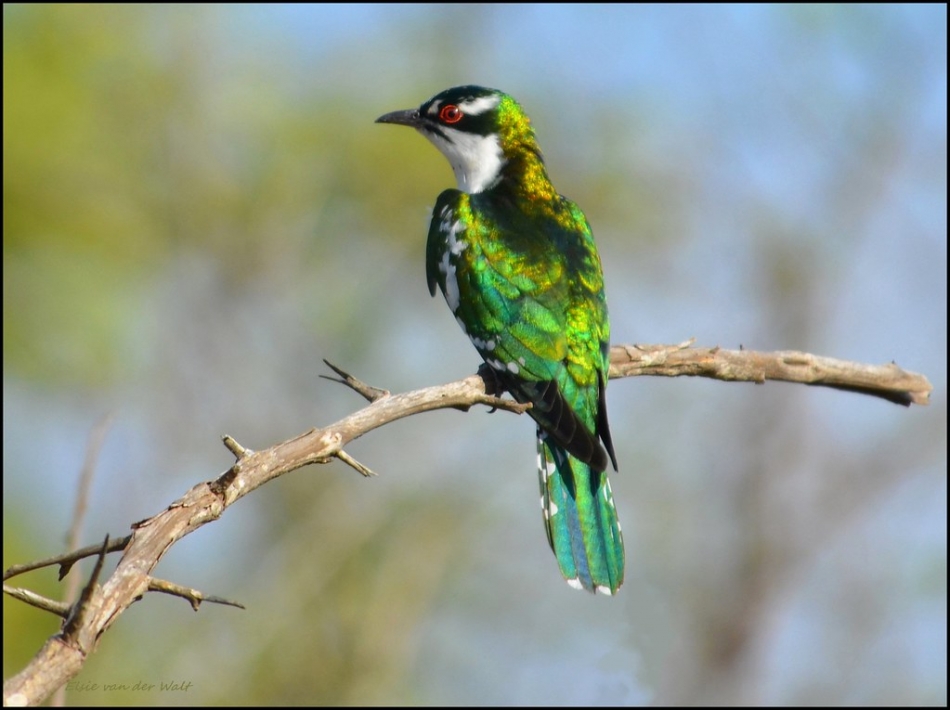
(450, 114)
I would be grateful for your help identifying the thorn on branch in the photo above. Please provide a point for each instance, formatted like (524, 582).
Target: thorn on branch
(192, 595)
(370, 393)
(350, 461)
(235, 448)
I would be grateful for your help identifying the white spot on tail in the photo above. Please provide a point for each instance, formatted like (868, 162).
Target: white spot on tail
(604, 590)
(575, 583)
(545, 467)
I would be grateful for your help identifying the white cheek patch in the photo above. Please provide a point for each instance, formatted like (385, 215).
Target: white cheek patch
(476, 160)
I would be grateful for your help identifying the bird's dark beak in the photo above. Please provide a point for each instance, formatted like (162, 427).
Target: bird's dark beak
(409, 117)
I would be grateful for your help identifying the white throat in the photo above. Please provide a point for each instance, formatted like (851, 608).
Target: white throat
(476, 160)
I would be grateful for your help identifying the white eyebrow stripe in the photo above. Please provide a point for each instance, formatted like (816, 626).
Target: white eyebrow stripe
(476, 107)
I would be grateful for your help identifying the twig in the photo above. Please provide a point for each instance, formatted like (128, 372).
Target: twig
(96, 438)
(235, 448)
(370, 393)
(349, 460)
(39, 601)
(67, 559)
(192, 595)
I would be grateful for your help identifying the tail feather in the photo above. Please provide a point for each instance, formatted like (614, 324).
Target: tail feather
(580, 520)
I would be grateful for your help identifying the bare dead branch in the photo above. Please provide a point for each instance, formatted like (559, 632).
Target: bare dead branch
(885, 381)
(60, 659)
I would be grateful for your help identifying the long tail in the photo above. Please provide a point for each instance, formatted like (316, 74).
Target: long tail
(580, 520)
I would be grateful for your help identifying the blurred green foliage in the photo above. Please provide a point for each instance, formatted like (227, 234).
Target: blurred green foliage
(126, 143)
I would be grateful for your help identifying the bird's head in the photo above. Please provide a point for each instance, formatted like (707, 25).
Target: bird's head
(483, 133)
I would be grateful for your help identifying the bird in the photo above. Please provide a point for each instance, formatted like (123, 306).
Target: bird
(519, 269)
